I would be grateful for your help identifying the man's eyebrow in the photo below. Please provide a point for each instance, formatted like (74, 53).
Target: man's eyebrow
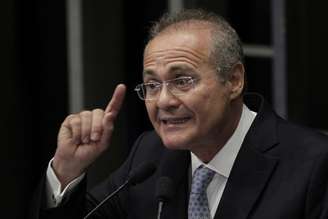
(148, 73)
(173, 70)
(179, 68)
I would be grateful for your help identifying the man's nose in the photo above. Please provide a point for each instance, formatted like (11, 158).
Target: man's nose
(166, 99)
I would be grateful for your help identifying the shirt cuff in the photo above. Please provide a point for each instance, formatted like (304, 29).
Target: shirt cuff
(54, 192)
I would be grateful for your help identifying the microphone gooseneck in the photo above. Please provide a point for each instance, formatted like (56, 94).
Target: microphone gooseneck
(137, 175)
(164, 192)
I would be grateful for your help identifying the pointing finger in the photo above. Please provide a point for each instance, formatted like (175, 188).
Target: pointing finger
(117, 100)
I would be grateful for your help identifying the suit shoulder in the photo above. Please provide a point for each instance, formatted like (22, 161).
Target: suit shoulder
(148, 147)
(149, 139)
(302, 139)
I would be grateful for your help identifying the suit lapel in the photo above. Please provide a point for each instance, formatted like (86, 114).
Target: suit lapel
(175, 165)
(247, 180)
(253, 167)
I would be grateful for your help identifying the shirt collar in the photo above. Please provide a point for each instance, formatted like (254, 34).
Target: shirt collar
(224, 159)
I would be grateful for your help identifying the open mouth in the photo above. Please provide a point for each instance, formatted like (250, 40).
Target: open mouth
(175, 121)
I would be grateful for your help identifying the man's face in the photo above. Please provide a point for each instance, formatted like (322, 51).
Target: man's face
(199, 118)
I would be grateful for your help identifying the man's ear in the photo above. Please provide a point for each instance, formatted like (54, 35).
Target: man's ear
(237, 80)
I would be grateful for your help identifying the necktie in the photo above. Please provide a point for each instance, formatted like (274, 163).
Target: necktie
(198, 204)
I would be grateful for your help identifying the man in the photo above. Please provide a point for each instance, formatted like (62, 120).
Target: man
(250, 162)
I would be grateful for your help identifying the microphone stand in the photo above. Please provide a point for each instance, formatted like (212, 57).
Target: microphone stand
(108, 197)
(160, 207)
(136, 176)
(164, 192)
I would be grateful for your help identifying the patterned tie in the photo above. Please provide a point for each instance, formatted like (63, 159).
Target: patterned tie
(198, 204)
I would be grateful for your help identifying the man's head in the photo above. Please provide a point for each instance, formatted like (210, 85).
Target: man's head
(226, 47)
(193, 88)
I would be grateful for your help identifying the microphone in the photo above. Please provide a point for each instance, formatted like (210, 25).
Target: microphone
(137, 175)
(164, 192)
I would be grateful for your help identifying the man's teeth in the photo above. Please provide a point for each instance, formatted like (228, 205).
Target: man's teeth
(175, 121)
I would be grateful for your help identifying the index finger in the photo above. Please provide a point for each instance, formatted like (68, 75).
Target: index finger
(117, 99)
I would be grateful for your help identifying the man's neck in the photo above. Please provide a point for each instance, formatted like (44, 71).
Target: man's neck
(208, 151)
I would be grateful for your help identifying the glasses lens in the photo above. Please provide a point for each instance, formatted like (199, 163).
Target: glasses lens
(178, 86)
(181, 86)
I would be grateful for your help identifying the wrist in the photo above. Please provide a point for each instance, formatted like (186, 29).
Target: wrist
(65, 172)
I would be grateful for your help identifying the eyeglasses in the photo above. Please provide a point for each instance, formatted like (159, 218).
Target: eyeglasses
(178, 86)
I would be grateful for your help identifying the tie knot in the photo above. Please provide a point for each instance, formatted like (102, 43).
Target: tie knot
(201, 178)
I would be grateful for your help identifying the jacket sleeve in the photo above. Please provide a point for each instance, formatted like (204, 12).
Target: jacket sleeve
(81, 202)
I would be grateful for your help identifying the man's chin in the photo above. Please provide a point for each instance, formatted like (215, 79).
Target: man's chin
(175, 144)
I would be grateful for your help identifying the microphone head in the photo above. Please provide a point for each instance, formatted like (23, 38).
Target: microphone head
(141, 172)
(164, 189)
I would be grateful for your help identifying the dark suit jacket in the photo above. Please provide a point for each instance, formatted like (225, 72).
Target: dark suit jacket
(281, 172)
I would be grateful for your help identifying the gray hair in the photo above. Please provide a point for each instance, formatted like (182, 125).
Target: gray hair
(227, 48)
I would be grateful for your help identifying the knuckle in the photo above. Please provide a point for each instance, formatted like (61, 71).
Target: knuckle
(69, 118)
(97, 111)
(85, 113)
(75, 121)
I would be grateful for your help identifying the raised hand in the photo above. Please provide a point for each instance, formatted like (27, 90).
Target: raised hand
(84, 136)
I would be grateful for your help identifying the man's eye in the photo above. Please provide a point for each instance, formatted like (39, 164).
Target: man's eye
(152, 86)
(182, 82)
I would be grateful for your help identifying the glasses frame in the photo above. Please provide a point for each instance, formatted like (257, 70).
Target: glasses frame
(141, 90)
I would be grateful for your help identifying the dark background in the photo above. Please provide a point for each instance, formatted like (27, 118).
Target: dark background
(34, 75)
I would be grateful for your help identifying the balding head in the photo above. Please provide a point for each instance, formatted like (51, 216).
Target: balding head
(226, 49)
